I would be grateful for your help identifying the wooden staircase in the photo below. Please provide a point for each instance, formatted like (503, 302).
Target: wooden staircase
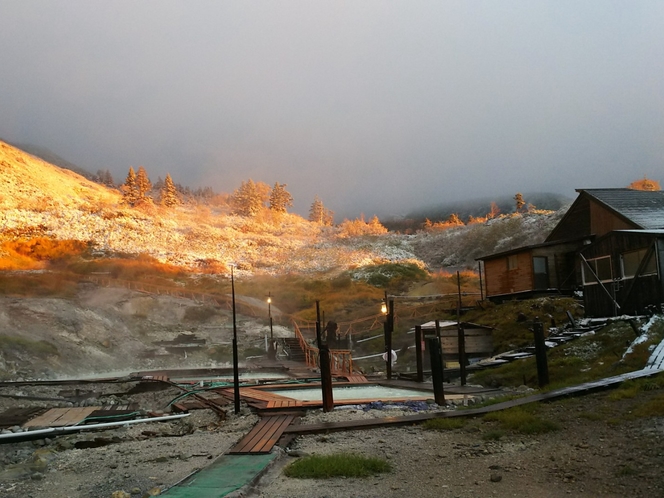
(294, 350)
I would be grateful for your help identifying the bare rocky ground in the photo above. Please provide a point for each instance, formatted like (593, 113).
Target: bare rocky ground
(600, 450)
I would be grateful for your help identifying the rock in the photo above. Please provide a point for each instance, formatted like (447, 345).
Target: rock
(297, 453)
(120, 494)
(135, 491)
(152, 492)
(495, 477)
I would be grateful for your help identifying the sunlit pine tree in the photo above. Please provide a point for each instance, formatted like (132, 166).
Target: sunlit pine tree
(247, 200)
(318, 213)
(518, 198)
(280, 198)
(143, 185)
(169, 194)
(129, 191)
(645, 184)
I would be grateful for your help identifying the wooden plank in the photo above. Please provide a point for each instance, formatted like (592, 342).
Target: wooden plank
(260, 429)
(273, 437)
(263, 436)
(60, 417)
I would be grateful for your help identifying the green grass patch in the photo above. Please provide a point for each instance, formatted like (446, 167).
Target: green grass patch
(493, 435)
(651, 408)
(340, 465)
(592, 416)
(444, 424)
(12, 344)
(522, 420)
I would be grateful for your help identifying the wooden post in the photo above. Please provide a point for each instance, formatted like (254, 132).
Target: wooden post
(461, 334)
(418, 353)
(326, 378)
(389, 328)
(540, 354)
(436, 370)
(324, 365)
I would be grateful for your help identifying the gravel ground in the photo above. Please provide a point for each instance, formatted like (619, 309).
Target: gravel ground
(599, 451)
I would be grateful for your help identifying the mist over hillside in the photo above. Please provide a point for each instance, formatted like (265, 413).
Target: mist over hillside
(476, 208)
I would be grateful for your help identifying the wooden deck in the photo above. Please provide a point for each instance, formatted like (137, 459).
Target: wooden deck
(260, 398)
(263, 436)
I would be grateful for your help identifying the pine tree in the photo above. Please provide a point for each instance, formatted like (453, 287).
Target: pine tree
(318, 213)
(280, 198)
(645, 184)
(494, 211)
(247, 200)
(169, 194)
(519, 202)
(143, 185)
(129, 192)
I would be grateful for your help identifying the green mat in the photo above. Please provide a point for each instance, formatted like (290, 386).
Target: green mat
(227, 474)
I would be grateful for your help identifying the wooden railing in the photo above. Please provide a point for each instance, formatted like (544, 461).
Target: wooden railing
(341, 360)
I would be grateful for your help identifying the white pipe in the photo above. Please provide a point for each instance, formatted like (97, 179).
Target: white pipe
(54, 431)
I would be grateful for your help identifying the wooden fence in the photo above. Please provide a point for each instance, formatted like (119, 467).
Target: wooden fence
(341, 360)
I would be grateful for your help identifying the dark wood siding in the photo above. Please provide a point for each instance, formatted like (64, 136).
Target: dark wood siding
(603, 221)
(575, 223)
(632, 295)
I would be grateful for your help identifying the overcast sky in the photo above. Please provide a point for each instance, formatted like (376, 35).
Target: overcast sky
(376, 106)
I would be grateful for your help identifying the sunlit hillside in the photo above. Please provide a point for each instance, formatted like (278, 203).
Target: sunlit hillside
(42, 200)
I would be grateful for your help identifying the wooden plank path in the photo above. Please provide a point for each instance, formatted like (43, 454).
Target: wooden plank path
(263, 436)
(656, 360)
(61, 417)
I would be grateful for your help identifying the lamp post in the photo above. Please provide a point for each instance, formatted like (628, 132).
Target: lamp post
(271, 354)
(387, 308)
(236, 373)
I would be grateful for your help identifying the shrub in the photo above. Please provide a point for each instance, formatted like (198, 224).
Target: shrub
(341, 465)
(444, 424)
(522, 421)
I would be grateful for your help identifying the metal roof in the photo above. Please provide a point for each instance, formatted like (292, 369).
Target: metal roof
(642, 207)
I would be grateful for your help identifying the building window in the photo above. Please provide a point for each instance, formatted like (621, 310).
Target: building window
(631, 261)
(601, 267)
(512, 262)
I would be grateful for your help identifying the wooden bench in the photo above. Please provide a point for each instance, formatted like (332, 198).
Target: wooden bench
(263, 436)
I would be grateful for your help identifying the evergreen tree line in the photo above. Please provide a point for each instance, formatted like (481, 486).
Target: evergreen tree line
(249, 199)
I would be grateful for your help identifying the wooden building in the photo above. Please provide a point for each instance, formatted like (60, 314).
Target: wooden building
(554, 266)
(544, 268)
(622, 272)
(478, 341)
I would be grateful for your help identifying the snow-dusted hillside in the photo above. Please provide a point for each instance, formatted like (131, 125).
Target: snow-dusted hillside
(38, 198)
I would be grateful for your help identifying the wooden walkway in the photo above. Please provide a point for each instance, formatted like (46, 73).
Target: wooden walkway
(61, 417)
(656, 360)
(263, 436)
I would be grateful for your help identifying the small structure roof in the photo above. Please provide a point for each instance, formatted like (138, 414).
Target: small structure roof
(645, 208)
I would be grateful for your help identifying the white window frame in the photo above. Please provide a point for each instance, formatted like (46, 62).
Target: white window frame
(644, 252)
(592, 263)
